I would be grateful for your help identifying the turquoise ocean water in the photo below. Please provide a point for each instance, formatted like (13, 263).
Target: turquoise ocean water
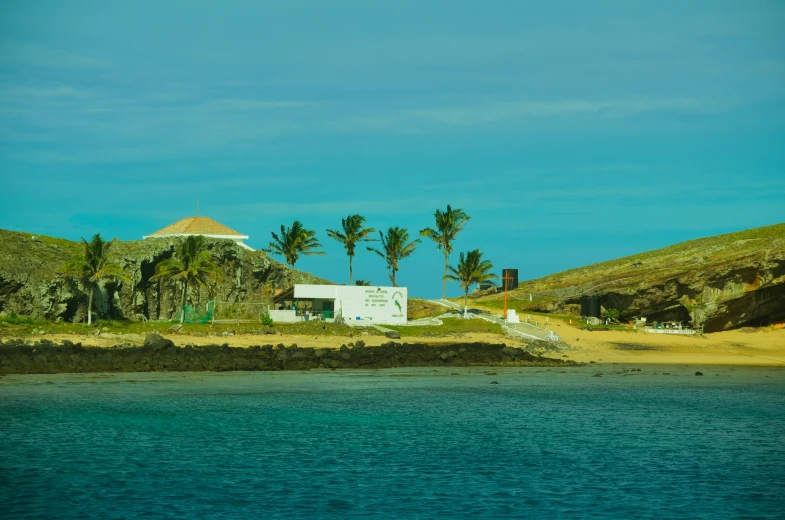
(406, 443)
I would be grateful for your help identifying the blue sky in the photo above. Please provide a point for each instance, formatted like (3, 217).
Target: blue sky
(570, 132)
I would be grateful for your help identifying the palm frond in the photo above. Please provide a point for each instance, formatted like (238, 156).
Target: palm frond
(448, 224)
(293, 242)
(394, 247)
(93, 265)
(471, 269)
(352, 232)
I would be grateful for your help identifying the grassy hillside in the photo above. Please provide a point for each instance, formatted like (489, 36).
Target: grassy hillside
(37, 255)
(30, 285)
(707, 259)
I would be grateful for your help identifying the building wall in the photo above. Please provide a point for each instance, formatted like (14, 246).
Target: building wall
(284, 316)
(324, 292)
(380, 305)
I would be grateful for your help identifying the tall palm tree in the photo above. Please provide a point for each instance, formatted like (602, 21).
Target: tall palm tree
(448, 224)
(471, 269)
(394, 249)
(353, 232)
(192, 265)
(293, 242)
(93, 266)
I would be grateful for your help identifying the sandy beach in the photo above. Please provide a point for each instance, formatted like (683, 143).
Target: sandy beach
(765, 346)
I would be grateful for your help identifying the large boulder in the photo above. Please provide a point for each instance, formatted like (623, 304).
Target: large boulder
(157, 342)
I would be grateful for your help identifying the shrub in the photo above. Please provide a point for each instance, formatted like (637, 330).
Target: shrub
(266, 320)
(13, 319)
(115, 324)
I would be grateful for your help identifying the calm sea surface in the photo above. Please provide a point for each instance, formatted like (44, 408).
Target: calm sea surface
(406, 443)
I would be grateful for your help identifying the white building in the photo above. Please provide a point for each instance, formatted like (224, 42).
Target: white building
(200, 226)
(356, 305)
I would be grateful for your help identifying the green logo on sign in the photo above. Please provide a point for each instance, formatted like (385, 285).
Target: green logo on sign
(397, 297)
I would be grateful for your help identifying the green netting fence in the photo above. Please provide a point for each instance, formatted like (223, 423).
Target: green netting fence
(198, 313)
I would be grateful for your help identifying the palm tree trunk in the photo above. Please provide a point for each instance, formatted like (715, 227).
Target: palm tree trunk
(466, 304)
(444, 278)
(182, 315)
(350, 271)
(90, 306)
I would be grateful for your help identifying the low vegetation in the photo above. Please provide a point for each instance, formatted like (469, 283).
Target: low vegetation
(25, 326)
(450, 327)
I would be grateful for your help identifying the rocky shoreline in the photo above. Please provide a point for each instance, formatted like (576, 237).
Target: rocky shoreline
(162, 355)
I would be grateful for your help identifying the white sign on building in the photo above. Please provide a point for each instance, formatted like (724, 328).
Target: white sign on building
(357, 305)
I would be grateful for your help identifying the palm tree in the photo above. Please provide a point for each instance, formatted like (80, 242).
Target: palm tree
(293, 242)
(448, 224)
(193, 265)
(471, 269)
(93, 266)
(394, 248)
(353, 232)
(362, 283)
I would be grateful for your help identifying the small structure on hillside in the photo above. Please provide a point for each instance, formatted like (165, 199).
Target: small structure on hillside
(485, 286)
(204, 226)
(354, 305)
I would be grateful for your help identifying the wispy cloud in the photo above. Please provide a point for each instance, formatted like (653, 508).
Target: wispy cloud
(34, 93)
(251, 104)
(415, 205)
(480, 114)
(14, 53)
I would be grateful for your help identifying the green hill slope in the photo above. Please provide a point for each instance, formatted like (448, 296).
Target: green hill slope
(720, 282)
(29, 285)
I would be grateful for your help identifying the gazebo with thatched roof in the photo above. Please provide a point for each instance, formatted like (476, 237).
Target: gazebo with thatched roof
(200, 226)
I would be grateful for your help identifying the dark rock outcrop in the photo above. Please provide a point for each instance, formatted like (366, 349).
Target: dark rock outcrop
(157, 342)
(159, 354)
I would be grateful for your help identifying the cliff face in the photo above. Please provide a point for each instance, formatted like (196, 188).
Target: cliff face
(30, 286)
(717, 283)
(745, 292)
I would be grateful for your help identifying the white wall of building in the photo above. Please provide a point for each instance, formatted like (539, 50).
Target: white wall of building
(284, 316)
(361, 305)
(324, 292)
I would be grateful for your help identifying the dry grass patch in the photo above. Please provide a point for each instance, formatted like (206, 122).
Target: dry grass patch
(418, 308)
